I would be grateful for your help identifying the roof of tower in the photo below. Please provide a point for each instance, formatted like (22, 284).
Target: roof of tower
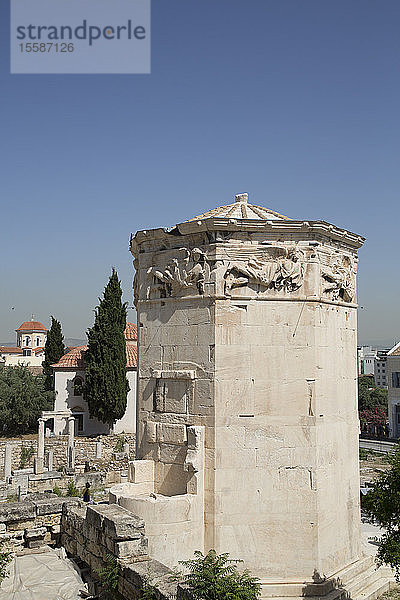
(241, 209)
(31, 326)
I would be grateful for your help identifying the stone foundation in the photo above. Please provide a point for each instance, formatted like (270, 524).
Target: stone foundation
(33, 523)
(92, 534)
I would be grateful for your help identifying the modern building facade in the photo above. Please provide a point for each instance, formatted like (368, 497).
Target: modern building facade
(393, 381)
(366, 360)
(380, 369)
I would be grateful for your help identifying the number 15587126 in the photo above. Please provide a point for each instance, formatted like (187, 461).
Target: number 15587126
(46, 47)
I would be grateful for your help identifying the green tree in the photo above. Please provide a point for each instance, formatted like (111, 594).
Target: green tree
(5, 558)
(216, 577)
(370, 396)
(381, 505)
(106, 386)
(53, 351)
(22, 399)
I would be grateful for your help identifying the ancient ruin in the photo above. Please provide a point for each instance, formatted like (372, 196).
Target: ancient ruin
(247, 425)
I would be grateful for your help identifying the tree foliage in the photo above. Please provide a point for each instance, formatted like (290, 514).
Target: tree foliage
(216, 577)
(5, 559)
(382, 505)
(106, 386)
(53, 351)
(109, 575)
(370, 396)
(377, 416)
(22, 399)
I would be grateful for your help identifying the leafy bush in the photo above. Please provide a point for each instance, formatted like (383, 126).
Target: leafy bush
(5, 558)
(382, 505)
(72, 490)
(109, 574)
(215, 577)
(57, 491)
(26, 454)
(119, 446)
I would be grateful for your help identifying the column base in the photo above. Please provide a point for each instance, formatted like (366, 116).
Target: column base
(38, 465)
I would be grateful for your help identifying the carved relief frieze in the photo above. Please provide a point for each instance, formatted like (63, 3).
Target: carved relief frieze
(339, 277)
(279, 268)
(262, 269)
(186, 272)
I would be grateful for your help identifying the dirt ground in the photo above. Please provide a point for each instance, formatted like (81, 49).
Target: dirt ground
(371, 464)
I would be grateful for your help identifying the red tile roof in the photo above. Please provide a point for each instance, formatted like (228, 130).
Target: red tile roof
(38, 349)
(74, 359)
(10, 350)
(131, 356)
(131, 331)
(31, 326)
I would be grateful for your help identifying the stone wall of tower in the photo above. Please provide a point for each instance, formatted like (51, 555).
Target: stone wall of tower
(250, 330)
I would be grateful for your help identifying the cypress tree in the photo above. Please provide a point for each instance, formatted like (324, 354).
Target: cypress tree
(106, 386)
(54, 349)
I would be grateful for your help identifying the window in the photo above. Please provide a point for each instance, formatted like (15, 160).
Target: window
(78, 422)
(38, 341)
(78, 413)
(26, 352)
(27, 341)
(396, 379)
(78, 386)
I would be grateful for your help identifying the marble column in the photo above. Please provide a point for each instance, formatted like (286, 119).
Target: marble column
(39, 462)
(71, 449)
(7, 461)
(50, 458)
(126, 449)
(99, 449)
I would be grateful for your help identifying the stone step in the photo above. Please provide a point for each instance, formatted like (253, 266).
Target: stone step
(374, 590)
(351, 571)
(363, 581)
(337, 594)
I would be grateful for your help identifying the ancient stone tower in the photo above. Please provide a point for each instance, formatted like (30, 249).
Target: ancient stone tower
(247, 328)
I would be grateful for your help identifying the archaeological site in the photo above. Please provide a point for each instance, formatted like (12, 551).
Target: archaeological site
(246, 416)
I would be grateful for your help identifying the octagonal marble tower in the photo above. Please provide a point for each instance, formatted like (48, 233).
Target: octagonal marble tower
(247, 328)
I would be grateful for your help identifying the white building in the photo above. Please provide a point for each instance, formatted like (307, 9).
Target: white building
(366, 360)
(69, 376)
(380, 369)
(29, 351)
(393, 380)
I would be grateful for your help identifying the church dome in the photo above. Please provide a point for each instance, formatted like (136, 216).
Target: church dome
(31, 326)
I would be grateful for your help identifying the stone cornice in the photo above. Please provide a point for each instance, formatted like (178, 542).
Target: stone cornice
(329, 231)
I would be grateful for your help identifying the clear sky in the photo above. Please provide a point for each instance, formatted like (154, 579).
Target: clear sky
(294, 101)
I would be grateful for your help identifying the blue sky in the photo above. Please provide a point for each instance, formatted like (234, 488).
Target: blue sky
(294, 101)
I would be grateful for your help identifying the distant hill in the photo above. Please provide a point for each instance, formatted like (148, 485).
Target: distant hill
(74, 342)
(67, 342)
